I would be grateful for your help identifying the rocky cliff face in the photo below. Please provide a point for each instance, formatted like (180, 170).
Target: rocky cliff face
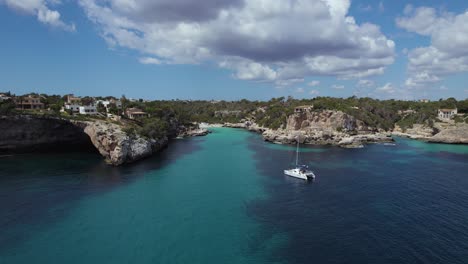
(454, 134)
(116, 146)
(26, 133)
(324, 121)
(442, 132)
(325, 128)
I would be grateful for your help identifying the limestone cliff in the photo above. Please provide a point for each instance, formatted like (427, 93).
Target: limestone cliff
(325, 128)
(441, 132)
(31, 133)
(454, 134)
(116, 146)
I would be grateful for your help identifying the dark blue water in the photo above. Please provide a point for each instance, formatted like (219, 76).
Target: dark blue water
(223, 199)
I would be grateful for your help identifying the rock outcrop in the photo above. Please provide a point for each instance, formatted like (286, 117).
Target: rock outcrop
(454, 134)
(325, 128)
(25, 133)
(441, 132)
(116, 146)
(418, 131)
(32, 133)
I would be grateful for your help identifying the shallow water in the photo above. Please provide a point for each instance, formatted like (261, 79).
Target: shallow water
(223, 199)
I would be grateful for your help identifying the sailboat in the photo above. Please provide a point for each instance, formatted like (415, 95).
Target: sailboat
(300, 171)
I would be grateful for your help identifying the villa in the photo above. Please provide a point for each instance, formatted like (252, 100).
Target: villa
(303, 109)
(106, 103)
(4, 97)
(73, 100)
(74, 108)
(28, 102)
(135, 113)
(447, 113)
(88, 110)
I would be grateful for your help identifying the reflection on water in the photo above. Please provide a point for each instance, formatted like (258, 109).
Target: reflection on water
(39, 189)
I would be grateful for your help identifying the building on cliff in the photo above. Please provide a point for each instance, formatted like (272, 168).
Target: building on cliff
(29, 102)
(4, 97)
(135, 113)
(303, 109)
(88, 110)
(73, 100)
(74, 108)
(447, 114)
(107, 103)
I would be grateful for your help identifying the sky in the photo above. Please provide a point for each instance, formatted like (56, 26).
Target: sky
(235, 49)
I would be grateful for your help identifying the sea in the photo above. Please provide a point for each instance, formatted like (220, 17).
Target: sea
(224, 198)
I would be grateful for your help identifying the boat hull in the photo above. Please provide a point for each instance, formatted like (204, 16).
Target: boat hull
(298, 174)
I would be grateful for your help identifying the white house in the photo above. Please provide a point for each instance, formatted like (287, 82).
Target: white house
(303, 109)
(4, 97)
(88, 110)
(106, 103)
(447, 113)
(75, 108)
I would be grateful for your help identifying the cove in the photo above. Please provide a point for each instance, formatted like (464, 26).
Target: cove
(223, 199)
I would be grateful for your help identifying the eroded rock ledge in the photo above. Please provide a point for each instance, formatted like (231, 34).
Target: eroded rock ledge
(450, 133)
(320, 128)
(30, 133)
(116, 146)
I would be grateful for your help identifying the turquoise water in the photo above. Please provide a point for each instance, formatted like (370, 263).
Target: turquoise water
(223, 199)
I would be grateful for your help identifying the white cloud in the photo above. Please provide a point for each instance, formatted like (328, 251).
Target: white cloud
(149, 60)
(338, 87)
(299, 90)
(365, 83)
(313, 83)
(258, 40)
(40, 9)
(288, 82)
(387, 88)
(365, 8)
(443, 88)
(447, 54)
(314, 92)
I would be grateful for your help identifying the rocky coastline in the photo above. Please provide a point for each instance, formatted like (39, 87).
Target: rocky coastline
(319, 128)
(23, 133)
(441, 132)
(339, 129)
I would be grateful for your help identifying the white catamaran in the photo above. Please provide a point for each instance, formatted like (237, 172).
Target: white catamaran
(300, 171)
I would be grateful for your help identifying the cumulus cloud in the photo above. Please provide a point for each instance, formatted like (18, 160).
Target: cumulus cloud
(259, 40)
(447, 53)
(288, 82)
(299, 90)
(338, 87)
(387, 88)
(314, 92)
(390, 91)
(365, 83)
(149, 60)
(313, 83)
(40, 9)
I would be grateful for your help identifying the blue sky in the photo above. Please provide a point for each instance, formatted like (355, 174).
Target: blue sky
(233, 49)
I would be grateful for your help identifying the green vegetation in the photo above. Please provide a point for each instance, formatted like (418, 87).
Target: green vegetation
(7, 107)
(380, 114)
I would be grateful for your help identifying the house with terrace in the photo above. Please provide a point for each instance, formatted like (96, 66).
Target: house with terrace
(447, 114)
(29, 102)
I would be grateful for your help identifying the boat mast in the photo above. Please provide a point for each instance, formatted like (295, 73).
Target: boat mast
(297, 153)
